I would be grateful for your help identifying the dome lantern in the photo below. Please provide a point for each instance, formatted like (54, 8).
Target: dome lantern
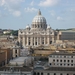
(39, 12)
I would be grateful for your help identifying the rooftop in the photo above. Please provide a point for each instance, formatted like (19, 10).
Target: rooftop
(62, 52)
(57, 69)
(16, 68)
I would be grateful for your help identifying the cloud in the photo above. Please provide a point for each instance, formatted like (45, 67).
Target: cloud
(72, 10)
(11, 5)
(2, 2)
(52, 12)
(17, 13)
(60, 18)
(30, 9)
(3, 14)
(32, 3)
(47, 3)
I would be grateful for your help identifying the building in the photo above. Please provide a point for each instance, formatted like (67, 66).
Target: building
(8, 54)
(55, 71)
(43, 51)
(5, 56)
(15, 51)
(66, 35)
(61, 59)
(2, 58)
(16, 71)
(38, 34)
(60, 63)
(21, 61)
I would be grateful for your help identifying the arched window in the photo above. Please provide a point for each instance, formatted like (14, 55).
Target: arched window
(38, 73)
(34, 73)
(38, 26)
(41, 73)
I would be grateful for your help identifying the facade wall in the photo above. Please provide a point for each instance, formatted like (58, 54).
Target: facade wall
(62, 61)
(66, 35)
(8, 54)
(16, 52)
(35, 38)
(54, 72)
(14, 73)
(2, 58)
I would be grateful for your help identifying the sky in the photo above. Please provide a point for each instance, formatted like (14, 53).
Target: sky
(17, 14)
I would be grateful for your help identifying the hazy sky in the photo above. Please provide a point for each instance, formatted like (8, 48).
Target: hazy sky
(16, 14)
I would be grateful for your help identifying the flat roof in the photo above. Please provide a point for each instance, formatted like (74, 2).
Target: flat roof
(25, 68)
(56, 69)
(18, 59)
(62, 52)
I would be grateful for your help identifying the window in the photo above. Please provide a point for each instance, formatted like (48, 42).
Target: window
(53, 60)
(61, 74)
(60, 56)
(41, 73)
(29, 43)
(57, 64)
(57, 60)
(57, 56)
(60, 64)
(68, 64)
(16, 55)
(34, 73)
(71, 64)
(64, 56)
(71, 60)
(38, 26)
(67, 74)
(64, 64)
(54, 73)
(60, 60)
(71, 56)
(42, 42)
(50, 63)
(38, 73)
(16, 51)
(35, 43)
(48, 74)
(67, 60)
(64, 60)
(53, 56)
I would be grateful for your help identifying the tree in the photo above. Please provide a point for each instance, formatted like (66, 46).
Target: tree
(14, 32)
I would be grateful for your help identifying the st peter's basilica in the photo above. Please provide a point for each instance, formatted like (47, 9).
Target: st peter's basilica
(38, 34)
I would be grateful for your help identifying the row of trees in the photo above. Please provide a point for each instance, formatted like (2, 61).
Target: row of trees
(13, 32)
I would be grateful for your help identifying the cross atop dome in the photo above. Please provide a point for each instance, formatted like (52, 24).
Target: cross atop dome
(39, 12)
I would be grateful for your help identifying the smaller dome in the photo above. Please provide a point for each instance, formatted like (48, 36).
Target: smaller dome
(27, 26)
(48, 27)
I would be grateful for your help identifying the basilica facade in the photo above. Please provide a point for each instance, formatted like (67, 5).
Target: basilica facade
(38, 34)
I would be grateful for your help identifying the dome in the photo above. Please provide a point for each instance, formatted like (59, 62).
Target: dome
(48, 27)
(39, 18)
(39, 22)
(27, 26)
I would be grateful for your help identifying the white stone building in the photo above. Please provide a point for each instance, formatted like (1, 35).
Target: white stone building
(15, 51)
(61, 59)
(38, 34)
